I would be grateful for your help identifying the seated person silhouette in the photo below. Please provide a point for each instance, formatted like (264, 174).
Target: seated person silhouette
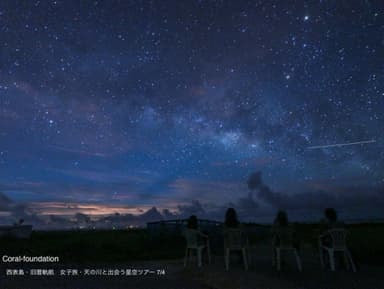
(284, 238)
(280, 227)
(331, 222)
(193, 224)
(234, 238)
(231, 220)
(196, 240)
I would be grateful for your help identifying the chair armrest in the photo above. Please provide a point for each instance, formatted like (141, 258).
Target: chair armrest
(323, 235)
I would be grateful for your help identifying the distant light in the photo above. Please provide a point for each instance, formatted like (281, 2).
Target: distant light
(306, 17)
(287, 76)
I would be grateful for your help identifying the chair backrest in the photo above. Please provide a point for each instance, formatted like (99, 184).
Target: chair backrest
(339, 237)
(192, 237)
(285, 237)
(233, 238)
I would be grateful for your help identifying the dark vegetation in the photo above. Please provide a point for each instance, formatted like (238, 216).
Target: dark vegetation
(94, 246)
(115, 246)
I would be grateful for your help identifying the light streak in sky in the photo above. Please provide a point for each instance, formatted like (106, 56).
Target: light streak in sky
(341, 144)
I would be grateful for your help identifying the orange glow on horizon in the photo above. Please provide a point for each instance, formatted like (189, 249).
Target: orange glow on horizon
(61, 208)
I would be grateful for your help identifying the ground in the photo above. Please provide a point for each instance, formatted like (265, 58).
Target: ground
(261, 275)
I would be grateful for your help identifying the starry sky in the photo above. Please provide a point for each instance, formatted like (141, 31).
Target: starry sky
(121, 106)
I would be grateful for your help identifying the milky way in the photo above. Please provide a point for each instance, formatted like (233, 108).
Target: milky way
(134, 104)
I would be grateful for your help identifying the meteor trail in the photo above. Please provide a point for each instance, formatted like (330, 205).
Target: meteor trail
(341, 144)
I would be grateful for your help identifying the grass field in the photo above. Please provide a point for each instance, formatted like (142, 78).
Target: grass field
(366, 242)
(94, 246)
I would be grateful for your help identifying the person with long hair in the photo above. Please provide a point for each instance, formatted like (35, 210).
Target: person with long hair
(331, 222)
(281, 226)
(331, 219)
(231, 220)
(281, 219)
(193, 225)
(192, 222)
(194, 237)
(234, 238)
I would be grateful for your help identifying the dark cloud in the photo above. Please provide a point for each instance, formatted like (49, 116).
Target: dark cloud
(58, 222)
(82, 218)
(5, 202)
(194, 208)
(254, 181)
(168, 215)
(346, 198)
(17, 211)
(248, 206)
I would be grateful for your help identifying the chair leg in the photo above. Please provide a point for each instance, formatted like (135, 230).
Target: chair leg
(351, 260)
(321, 255)
(245, 259)
(298, 261)
(199, 262)
(331, 259)
(186, 257)
(346, 260)
(278, 259)
(190, 255)
(249, 255)
(209, 253)
(227, 259)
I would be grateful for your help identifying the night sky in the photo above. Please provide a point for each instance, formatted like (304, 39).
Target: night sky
(121, 106)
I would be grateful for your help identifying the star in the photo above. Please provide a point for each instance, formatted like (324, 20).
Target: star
(166, 103)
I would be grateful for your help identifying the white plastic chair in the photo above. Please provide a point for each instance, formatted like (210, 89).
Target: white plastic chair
(285, 237)
(338, 244)
(234, 240)
(196, 241)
